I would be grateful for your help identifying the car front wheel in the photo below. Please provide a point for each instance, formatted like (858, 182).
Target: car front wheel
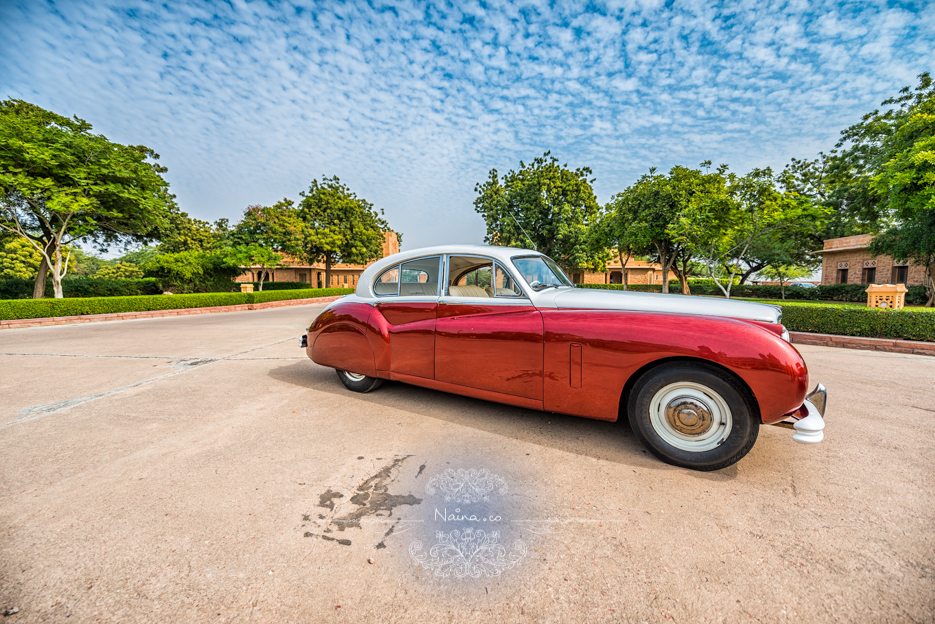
(358, 383)
(693, 415)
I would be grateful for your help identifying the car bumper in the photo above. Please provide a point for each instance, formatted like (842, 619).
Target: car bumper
(808, 420)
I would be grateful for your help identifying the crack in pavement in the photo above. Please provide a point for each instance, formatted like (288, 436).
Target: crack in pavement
(39, 411)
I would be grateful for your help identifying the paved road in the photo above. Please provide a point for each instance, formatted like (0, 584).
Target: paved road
(200, 468)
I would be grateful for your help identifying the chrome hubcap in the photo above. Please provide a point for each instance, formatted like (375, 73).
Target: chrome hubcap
(690, 416)
(354, 376)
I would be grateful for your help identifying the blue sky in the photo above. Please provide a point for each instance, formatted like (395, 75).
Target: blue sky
(411, 104)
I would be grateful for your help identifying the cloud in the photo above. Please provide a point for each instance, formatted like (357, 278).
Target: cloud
(412, 104)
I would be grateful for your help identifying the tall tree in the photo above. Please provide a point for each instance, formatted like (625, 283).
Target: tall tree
(60, 184)
(614, 232)
(543, 205)
(264, 234)
(902, 143)
(734, 215)
(338, 226)
(653, 206)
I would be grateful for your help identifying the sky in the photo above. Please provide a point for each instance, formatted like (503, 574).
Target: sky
(412, 104)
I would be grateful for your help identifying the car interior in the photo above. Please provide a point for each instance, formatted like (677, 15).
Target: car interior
(468, 276)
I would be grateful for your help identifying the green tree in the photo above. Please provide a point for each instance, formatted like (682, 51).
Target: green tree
(253, 255)
(902, 174)
(119, 270)
(542, 205)
(732, 216)
(653, 206)
(784, 273)
(85, 264)
(19, 259)
(61, 185)
(183, 233)
(613, 233)
(338, 226)
(192, 271)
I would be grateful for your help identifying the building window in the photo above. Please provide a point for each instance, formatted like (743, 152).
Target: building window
(900, 274)
(345, 280)
(842, 276)
(868, 275)
(318, 278)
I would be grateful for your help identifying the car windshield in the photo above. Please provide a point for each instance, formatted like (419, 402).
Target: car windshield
(540, 272)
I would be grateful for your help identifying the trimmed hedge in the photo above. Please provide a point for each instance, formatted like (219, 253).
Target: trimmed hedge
(45, 308)
(18, 288)
(905, 324)
(855, 293)
(830, 318)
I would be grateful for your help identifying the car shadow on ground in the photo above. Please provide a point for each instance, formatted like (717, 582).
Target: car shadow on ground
(609, 441)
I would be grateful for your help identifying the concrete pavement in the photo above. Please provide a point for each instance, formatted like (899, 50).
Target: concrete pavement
(200, 468)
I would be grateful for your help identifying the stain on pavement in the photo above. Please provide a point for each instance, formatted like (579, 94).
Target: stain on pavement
(371, 501)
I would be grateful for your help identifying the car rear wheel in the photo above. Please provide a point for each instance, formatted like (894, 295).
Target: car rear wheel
(693, 415)
(357, 382)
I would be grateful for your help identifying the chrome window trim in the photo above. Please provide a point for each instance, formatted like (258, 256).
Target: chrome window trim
(504, 301)
(399, 275)
(399, 266)
(523, 294)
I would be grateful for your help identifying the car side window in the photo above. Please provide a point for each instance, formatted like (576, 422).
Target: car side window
(387, 285)
(504, 285)
(419, 278)
(469, 276)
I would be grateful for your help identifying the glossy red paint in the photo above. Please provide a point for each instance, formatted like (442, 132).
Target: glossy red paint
(617, 344)
(495, 348)
(476, 393)
(411, 329)
(569, 361)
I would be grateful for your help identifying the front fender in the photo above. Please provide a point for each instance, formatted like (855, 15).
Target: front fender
(615, 345)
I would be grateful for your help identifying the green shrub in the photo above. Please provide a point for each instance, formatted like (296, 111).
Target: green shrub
(82, 287)
(905, 324)
(855, 293)
(45, 308)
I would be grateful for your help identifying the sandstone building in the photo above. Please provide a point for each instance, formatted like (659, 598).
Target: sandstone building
(847, 261)
(342, 275)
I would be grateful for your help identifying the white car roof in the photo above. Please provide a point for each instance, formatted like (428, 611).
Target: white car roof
(503, 254)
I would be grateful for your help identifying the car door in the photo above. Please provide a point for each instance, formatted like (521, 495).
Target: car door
(409, 307)
(488, 335)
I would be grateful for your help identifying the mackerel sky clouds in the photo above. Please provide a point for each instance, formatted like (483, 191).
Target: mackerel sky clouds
(411, 104)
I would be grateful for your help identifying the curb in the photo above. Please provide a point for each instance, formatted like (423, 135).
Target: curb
(888, 345)
(126, 316)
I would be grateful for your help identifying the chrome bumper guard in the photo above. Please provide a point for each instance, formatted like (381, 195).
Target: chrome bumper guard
(810, 429)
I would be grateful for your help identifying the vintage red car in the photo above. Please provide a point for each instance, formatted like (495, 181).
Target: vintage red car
(695, 376)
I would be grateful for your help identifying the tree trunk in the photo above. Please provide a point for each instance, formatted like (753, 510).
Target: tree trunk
(328, 270)
(623, 267)
(782, 289)
(262, 275)
(930, 286)
(57, 275)
(663, 257)
(38, 289)
(746, 274)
